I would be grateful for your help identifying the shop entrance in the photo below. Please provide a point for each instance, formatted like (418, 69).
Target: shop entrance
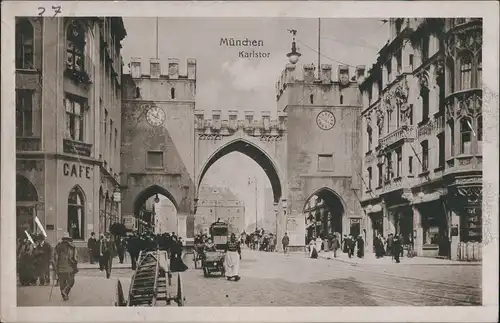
(355, 228)
(26, 201)
(435, 229)
(377, 224)
(404, 226)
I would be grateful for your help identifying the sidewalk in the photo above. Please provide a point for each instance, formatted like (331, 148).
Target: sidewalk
(369, 259)
(127, 264)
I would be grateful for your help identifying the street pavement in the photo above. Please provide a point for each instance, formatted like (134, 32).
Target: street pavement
(273, 279)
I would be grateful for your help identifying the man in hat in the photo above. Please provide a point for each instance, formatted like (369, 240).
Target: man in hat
(43, 255)
(107, 253)
(65, 264)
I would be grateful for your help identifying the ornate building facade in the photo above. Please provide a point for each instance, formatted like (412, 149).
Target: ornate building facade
(68, 108)
(422, 138)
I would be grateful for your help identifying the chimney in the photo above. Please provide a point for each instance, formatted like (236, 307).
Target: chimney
(173, 68)
(308, 73)
(135, 67)
(155, 71)
(191, 69)
(326, 73)
(360, 74)
(344, 75)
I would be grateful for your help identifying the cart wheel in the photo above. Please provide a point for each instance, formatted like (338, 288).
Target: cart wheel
(180, 291)
(119, 297)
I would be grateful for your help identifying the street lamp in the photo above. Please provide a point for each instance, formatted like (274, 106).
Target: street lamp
(276, 216)
(157, 199)
(293, 56)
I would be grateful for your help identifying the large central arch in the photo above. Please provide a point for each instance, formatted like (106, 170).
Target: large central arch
(255, 153)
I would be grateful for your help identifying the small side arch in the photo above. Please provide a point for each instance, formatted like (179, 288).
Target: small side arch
(145, 194)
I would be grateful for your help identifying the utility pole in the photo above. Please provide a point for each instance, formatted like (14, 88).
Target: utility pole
(157, 40)
(319, 47)
(256, 221)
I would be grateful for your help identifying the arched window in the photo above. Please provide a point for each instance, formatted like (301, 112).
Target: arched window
(24, 44)
(76, 214)
(465, 135)
(172, 93)
(370, 137)
(75, 37)
(479, 69)
(450, 68)
(311, 99)
(26, 200)
(424, 94)
(465, 71)
(451, 130)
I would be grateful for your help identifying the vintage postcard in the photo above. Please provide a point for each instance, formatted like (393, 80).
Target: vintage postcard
(255, 161)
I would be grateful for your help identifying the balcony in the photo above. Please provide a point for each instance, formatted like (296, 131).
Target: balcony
(77, 147)
(28, 144)
(432, 127)
(394, 185)
(403, 133)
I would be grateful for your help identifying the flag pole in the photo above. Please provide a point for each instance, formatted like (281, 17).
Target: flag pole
(157, 41)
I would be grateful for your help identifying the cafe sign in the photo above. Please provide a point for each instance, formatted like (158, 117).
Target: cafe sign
(77, 170)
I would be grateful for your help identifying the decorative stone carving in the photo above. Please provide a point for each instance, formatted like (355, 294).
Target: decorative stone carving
(449, 109)
(473, 194)
(423, 79)
(388, 100)
(209, 137)
(468, 180)
(439, 68)
(380, 118)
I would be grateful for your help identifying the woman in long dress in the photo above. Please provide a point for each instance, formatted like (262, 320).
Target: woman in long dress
(313, 252)
(232, 261)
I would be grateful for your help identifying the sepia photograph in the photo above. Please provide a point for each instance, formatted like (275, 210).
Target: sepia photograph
(245, 161)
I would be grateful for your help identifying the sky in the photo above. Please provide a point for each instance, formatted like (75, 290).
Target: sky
(226, 82)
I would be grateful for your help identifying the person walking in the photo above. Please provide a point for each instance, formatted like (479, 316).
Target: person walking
(285, 241)
(352, 245)
(120, 248)
(93, 248)
(133, 248)
(42, 257)
(66, 264)
(319, 244)
(389, 245)
(232, 261)
(396, 248)
(361, 247)
(348, 245)
(335, 245)
(107, 253)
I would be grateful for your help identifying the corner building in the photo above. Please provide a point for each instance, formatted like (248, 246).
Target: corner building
(68, 107)
(422, 135)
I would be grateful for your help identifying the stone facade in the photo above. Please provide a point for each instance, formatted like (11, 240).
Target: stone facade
(68, 75)
(422, 133)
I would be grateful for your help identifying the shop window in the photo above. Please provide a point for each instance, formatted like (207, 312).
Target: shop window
(24, 44)
(369, 170)
(465, 71)
(425, 155)
(155, 159)
(431, 229)
(75, 37)
(74, 119)
(465, 136)
(399, 157)
(24, 113)
(26, 200)
(471, 227)
(410, 165)
(441, 149)
(424, 94)
(76, 214)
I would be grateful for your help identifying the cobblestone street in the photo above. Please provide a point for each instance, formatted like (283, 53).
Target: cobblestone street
(271, 279)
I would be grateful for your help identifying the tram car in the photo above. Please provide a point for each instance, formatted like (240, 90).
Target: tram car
(213, 261)
(151, 283)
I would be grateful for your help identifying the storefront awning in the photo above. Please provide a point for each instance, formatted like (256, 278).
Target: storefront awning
(427, 197)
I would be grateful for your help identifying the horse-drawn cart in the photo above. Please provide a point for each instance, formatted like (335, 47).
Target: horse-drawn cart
(151, 282)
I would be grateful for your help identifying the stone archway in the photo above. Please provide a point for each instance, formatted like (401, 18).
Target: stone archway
(26, 202)
(324, 213)
(144, 214)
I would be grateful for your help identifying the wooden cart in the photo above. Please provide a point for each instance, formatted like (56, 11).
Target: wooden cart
(151, 283)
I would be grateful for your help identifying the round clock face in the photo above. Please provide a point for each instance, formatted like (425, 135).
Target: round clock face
(325, 120)
(155, 116)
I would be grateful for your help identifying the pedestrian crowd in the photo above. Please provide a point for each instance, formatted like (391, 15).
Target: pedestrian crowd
(349, 245)
(259, 240)
(392, 246)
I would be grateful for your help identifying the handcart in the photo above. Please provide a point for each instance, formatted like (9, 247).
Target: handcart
(151, 282)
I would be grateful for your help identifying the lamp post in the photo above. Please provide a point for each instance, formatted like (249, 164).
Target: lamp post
(276, 216)
(284, 206)
(294, 55)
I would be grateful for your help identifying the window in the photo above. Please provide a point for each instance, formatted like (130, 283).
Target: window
(441, 147)
(172, 93)
(389, 71)
(424, 93)
(341, 99)
(410, 165)
(450, 66)
(410, 61)
(311, 99)
(24, 113)
(75, 37)
(155, 159)
(479, 75)
(425, 155)
(389, 121)
(465, 136)
(379, 127)
(137, 92)
(451, 127)
(399, 58)
(116, 136)
(399, 165)
(369, 178)
(425, 48)
(325, 162)
(380, 175)
(465, 71)
(24, 44)
(410, 115)
(74, 119)
(479, 128)
(76, 214)
(388, 174)
(370, 138)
